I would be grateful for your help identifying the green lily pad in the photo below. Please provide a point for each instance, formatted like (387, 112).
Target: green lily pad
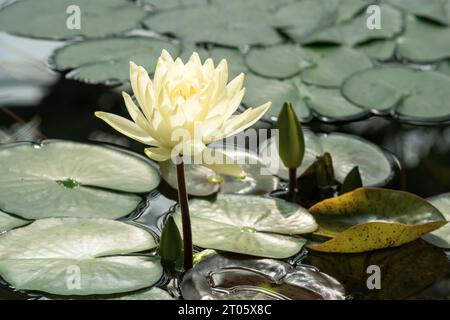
(414, 95)
(378, 49)
(347, 152)
(369, 218)
(436, 10)
(107, 60)
(326, 67)
(153, 293)
(233, 277)
(48, 18)
(71, 256)
(281, 61)
(423, 41)
(8, 222)
(233, 25)
(329, 105)
(441, 237)
(333, 65)
(260, 90)
(60, 179)
(250, 225)
(323, 21)
(172, 4)
(235, 60)
(204, 181)
(268, 5)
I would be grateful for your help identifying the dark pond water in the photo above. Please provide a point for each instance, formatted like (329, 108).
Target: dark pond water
(412, 271)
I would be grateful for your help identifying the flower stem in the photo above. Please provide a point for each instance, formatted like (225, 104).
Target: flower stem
(185, 219)
(292, 184)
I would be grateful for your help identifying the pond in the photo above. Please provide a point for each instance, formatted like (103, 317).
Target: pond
(353, 103)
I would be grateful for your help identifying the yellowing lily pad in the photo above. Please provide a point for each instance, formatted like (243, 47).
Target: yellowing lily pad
(346, 151)
(251, 225)
(72, 256)
(50, 19)
(8, 222)
(441, 237)
(369, 218)
(70, 179)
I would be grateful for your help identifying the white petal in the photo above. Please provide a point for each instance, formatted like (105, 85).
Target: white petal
(127, 127)
(158, 154)
(220, 163)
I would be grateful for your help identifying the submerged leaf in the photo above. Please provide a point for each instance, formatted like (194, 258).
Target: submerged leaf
(404, 271)
(250, 225)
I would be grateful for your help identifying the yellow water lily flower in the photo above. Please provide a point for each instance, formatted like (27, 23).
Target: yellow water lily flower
(184, 108)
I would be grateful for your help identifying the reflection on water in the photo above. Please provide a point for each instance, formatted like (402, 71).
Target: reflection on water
(237, 277)
(406, 271)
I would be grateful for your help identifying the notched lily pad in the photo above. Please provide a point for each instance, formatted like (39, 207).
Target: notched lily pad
(369, 218)
(50, 19)
(413, 95)
(252, 225)
(232, 277)
(441, 237)
(70, 256)
(107, 60)
(70, 179)
(347, 152)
